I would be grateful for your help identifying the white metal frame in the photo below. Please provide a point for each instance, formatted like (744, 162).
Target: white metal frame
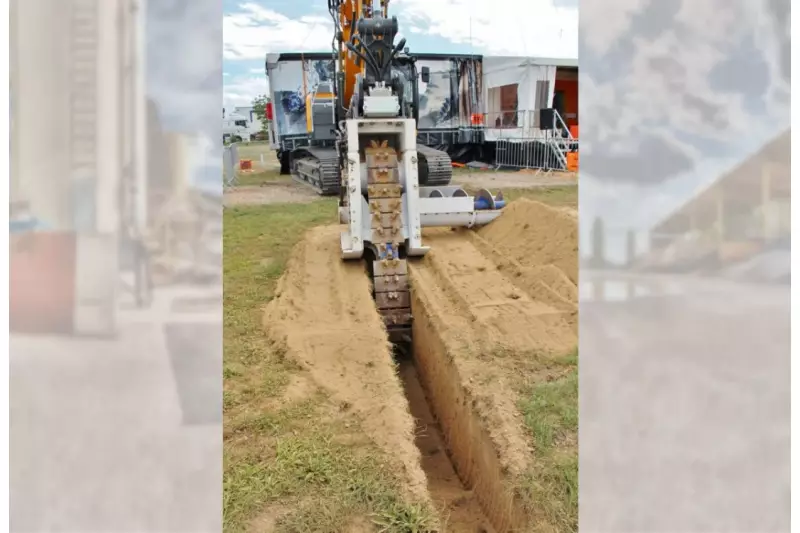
(422, 206)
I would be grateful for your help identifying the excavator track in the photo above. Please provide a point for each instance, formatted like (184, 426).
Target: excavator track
(436, 167)
(389, 271)
(317, 167)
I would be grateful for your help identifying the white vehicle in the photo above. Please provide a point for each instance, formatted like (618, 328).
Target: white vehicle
(235, 128)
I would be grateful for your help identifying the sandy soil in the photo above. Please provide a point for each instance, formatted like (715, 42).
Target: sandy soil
(535, 234)
(525, 179)
(498, 305)
(492, 305)
(325, 319)
(492, 318)
(269, 193)
(461, 506)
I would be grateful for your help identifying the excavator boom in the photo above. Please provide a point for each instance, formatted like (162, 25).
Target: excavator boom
(347, 13)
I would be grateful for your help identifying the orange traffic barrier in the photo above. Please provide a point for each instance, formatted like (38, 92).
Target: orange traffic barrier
(573, 130)
(572, 161)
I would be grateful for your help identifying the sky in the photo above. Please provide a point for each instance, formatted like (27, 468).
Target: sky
(543, 28)
(184, 66)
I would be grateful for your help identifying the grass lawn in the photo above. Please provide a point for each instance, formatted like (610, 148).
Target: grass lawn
(260, 178)
(550, 412)
(286, 469)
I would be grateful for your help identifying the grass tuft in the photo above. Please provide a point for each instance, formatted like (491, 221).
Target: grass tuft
(550, 412)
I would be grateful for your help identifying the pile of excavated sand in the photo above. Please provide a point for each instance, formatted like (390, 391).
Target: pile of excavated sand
(536, 235)
(493, 310)
(325, 318)
(495, 294)
(480, 332)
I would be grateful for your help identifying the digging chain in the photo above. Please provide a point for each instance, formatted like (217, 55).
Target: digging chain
(390, 273)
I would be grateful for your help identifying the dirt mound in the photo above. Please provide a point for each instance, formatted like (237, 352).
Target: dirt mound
(476, 287)
(325, 319)
(486, 321)
(535, 234)
(494, 311)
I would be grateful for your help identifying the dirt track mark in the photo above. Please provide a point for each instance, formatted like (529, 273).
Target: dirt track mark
(508, 317)
(492, 180)
(269, 193)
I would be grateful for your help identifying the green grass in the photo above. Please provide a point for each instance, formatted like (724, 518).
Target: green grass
(550, 412)
(562, 196)
(254, 150)
(279, 454)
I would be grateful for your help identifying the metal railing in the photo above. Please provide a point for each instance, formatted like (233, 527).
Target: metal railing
(230, 160)
(521, 142)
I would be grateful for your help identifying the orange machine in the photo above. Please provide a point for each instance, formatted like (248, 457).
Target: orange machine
(348, 12)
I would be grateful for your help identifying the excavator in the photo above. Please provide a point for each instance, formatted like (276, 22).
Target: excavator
(315, 164)
(363, 140)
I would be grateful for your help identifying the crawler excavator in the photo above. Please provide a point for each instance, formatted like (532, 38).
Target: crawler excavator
(389, 187)
(316, 164)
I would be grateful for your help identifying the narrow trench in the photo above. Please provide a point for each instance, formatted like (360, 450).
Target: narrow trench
(463, 471)
(460, 509)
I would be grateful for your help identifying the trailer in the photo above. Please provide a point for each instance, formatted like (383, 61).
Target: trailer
(513, 111)
(450, 102)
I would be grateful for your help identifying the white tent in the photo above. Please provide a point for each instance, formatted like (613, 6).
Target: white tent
(514, 90)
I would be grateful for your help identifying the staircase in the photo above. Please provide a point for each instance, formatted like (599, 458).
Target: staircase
(559, 145)
(83, 25)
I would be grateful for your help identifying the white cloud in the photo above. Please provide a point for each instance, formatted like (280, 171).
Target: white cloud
(500, 27)
(668, 68)
(660, 86)
(616, 16)
(254, 30)
(240, 90)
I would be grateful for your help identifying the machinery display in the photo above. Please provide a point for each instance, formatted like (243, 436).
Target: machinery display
(315, 164)
(389, 187)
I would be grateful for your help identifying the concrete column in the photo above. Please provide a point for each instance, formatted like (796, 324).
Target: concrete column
(178, 150)
(39, 62)
(140, 112)
(766, 197)
(109, 107)
(720, 201)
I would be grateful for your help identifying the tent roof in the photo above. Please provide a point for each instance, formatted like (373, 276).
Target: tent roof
(739, 186)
